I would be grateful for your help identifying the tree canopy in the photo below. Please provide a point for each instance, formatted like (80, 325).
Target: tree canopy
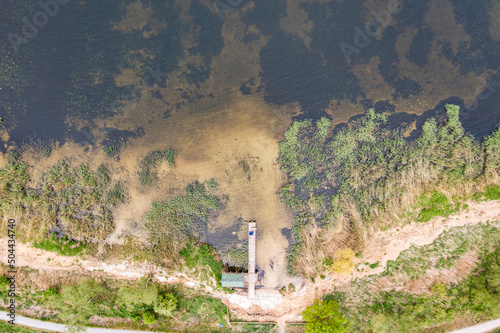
(324, 317)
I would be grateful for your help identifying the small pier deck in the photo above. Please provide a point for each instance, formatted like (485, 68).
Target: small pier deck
(252, 277)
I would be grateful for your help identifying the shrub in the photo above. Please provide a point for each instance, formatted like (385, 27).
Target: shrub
(51, 291)
(323, 317)
(4, 283)
(437, 204)
(61, 245)
(342, 261)
(165, 304)
(438, 289)
(149, 317)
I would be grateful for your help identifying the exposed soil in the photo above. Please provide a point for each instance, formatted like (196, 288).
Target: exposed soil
(269, 305)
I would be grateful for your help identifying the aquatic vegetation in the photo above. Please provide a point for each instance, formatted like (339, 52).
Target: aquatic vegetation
(75, 198)
(364, 174)
(147, 173)
(170, 224)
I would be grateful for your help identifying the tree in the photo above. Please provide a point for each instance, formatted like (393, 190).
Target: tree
(484, 287)
(165, 304)
(76, 304)
(324, 317)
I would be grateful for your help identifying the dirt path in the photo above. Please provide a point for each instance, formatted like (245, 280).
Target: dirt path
(382, 247)
(269, 305)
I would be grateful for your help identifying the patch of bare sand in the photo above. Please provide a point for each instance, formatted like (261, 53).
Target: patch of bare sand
(386, 245)
(269, 305)
(382, 246)
(230, 137)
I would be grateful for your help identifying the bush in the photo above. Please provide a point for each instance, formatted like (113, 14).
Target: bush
(438, 289)
(61, 245)
(484, 291)
(51, 291)
(165, 304)
(342, 262)
(435, 205)
(4, 283)
(76, 304)
(324, 317)
(489, 193)
(149, 317)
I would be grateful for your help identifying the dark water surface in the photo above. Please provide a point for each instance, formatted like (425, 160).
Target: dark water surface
(66, 73)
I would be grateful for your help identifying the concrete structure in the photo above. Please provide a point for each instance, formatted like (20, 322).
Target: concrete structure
(232, 280)
(242, 280)
(252, 277)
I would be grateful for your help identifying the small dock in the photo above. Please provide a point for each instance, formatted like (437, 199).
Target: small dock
(252, 277)
(245, 280)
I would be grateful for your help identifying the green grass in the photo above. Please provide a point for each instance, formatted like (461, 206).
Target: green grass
(255, 328)
(202, 256)
(61, 245)
(489, 193)
(444, 252)
(435, 204)
(5, 327)
(203, 309)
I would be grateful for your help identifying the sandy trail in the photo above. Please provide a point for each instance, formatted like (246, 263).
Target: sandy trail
(269, 305)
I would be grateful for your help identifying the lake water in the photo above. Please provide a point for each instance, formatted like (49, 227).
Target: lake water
(222, 86)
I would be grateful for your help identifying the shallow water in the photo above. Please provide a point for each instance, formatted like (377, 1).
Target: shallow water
(222, 87)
